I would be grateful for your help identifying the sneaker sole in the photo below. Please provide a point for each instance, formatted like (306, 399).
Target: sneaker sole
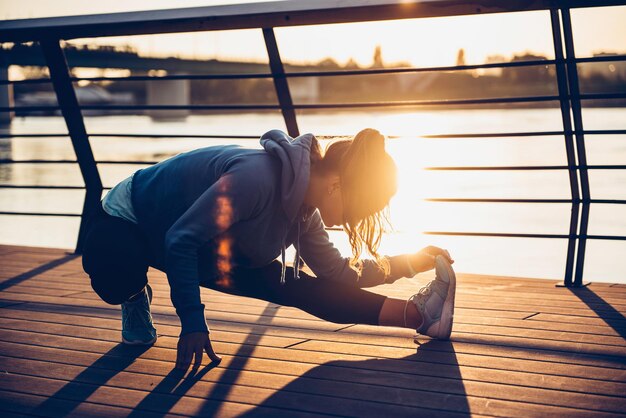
(139, 342)
(442, 329)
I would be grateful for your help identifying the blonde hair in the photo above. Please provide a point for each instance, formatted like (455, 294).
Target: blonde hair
(368, 177)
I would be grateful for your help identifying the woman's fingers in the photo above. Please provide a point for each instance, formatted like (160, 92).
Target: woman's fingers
(432, 250)
(209, 350)
(179, 355)
(183, 359)
(198, 360)
(187, 358)
(191, 347)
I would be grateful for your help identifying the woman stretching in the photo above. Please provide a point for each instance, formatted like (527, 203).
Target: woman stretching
(220, 216)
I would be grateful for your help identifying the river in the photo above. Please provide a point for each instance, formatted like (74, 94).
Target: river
(411, 214)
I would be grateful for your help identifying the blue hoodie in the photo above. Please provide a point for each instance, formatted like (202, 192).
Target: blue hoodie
(187, 203)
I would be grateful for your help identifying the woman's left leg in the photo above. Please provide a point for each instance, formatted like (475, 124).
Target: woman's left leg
(430, 311)
(326, 299)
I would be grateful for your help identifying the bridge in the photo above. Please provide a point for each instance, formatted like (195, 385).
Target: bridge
(175, 91)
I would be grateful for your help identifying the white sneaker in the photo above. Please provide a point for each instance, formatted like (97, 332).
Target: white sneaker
(435, 302)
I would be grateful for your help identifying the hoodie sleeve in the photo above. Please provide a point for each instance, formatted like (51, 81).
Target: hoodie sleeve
(227, 201)
(327, 262)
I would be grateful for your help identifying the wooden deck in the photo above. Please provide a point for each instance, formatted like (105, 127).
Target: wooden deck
(519, 347)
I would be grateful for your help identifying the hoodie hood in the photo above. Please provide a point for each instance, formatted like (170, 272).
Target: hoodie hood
(295, 156)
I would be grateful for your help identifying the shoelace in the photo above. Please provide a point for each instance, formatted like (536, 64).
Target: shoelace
(424, 291)
(134, 311)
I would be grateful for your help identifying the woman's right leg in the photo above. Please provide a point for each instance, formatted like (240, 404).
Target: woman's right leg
(115, 256)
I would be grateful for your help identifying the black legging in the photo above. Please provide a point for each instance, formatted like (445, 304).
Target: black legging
(117, 258)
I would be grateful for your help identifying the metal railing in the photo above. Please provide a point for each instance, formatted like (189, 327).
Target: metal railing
(266, 16)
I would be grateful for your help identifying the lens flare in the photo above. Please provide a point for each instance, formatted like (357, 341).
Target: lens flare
(223, 215)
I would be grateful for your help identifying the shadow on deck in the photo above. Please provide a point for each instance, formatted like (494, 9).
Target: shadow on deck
(519, 347)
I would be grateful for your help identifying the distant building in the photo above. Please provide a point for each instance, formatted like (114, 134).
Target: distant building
(611, 70)
(460, 57)
(378, 58)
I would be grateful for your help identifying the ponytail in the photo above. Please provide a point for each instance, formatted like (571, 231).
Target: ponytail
(368, 181)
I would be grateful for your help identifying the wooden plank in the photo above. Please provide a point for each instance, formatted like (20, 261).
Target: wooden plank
(588, 342)
(372, 336)
(462, 293)
(568, 357)
(114, 359)
(94, 328)
(26, 248)
(582, 321)
(312, 322)
(29, 290)
(514, 284)
(530, 300)
(538, 324)
(161, 292)
(278, 382)
(431, 363)
(495, 323)
(263, 401)
(224, 374)
(158, 303)
(469, 360)
(125, 398)
(563, 299)
(225, 316)
(548, 339)
(23, 260)
(227, 303)
(214, 383)
(517, 279)
(559, 326)
(576, 308)
(535, 286)
(497, 308)
(464, 298)
(16, 403)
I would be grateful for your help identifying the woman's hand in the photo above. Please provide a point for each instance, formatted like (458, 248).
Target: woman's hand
(424, 259)
(194, 343)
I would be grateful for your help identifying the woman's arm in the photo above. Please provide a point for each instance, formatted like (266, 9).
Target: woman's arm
(226, 202)
(232, 198)
(327, 262)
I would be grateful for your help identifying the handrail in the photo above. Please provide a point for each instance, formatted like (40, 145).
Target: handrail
(397, 103)
(256, 137)
(267, 16)
(270, 14)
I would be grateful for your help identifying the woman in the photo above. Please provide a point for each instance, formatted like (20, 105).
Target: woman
(219, 217)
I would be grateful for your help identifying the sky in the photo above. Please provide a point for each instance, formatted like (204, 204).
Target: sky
(420, 42)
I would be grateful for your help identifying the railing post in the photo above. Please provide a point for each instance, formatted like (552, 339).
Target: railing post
(66, 96)
(6, 91)
(280, 82)
(561, 77)
(574, 89)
